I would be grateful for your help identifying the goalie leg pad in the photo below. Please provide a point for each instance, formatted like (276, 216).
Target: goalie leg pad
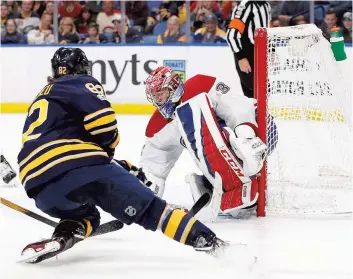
(206, 143)
(240, 197)
(198, 185)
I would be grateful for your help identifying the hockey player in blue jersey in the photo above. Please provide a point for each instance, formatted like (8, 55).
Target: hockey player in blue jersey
(69, 138)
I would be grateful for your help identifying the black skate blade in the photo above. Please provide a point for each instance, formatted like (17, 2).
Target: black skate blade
(31, 256)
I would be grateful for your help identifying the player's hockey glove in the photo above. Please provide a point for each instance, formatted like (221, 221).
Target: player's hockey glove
(248, 147)
(138, 172)
(151, 181)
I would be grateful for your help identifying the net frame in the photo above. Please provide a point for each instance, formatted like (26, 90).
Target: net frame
(261, 85)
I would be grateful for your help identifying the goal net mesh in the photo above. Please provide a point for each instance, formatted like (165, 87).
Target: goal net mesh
(308, 96)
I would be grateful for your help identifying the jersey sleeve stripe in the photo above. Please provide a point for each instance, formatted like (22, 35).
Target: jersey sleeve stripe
(236, 23)
(53, 153)
(104, 130)
(63, 159)
(100, 122)
(115, 142)
(98, 112)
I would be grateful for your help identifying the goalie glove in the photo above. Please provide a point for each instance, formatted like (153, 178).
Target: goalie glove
(248, 147)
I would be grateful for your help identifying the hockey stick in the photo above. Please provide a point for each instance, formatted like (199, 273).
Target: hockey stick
(199, 204)
(211, 203)
(111, 226)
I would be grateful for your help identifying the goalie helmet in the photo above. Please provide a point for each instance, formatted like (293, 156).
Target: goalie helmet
(70, 61)
(164, 89)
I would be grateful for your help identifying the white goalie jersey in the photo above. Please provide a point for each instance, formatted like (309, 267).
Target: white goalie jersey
(164, 142)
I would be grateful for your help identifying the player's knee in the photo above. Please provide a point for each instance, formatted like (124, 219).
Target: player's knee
(182, 227)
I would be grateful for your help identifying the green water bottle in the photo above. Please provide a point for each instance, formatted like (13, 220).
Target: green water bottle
(337, 44)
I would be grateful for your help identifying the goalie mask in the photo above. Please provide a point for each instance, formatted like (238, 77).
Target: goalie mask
(164, 89)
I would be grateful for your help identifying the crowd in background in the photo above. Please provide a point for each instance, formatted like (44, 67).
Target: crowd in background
(162, 22)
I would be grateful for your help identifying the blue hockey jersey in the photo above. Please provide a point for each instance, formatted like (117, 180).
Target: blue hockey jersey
(70, 124)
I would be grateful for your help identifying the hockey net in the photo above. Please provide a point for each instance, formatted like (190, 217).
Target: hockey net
(302, 89)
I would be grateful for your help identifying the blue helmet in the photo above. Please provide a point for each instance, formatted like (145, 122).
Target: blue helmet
(70, 61)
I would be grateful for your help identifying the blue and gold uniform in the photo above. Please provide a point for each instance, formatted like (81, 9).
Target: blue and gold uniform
(70, 124)
(66, 164)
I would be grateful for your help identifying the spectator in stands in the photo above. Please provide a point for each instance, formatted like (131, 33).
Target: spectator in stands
(181, 11)
(347, 27)
(195, 4)
(166, 10)
(69, 9)
(131, 34)
(227, 9)
(299, 9)
(330, 20)
(11, 35)
(211, 33)
(4, 15)
(341, 7)
(27, 19)
(49, 7)
(202, 9)
(13, 8)
(105, 17)
(67, 31)
(93, 37)
(84, 20)
(137, 12)
(39, 7)
(275, 22)
(151, 22)
(172, 34)
(170, 8)
(43, 34)
(302, 21)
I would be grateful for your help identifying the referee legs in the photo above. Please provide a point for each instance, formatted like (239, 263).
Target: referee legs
(246, 80)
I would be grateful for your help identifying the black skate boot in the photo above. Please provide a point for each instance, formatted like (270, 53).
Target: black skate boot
(7, 173)
(211, 244)
(66, 234)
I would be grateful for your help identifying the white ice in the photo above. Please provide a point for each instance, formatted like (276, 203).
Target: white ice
(285, 247)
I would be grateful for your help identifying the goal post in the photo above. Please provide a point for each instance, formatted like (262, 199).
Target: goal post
(304, 116)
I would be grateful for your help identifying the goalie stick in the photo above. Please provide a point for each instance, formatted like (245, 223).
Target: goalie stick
(108, 227)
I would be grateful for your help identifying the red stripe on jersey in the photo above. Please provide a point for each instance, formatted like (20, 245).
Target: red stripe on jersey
(196, 85)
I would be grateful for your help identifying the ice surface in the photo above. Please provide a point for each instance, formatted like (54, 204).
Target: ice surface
(285, 247)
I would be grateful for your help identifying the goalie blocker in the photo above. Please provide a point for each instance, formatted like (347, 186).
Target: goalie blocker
(212, 148)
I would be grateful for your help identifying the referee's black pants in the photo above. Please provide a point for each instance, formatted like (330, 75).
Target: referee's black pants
(246, 80)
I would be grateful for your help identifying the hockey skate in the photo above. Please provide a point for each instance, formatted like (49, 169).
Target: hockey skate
(66, 235)
(211, 245)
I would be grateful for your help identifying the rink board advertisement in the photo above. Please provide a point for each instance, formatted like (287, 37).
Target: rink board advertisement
(121, 69)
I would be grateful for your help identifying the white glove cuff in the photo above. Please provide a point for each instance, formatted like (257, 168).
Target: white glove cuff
(158, 184)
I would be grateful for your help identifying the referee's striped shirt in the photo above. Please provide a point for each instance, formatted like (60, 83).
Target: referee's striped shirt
(247, 16)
